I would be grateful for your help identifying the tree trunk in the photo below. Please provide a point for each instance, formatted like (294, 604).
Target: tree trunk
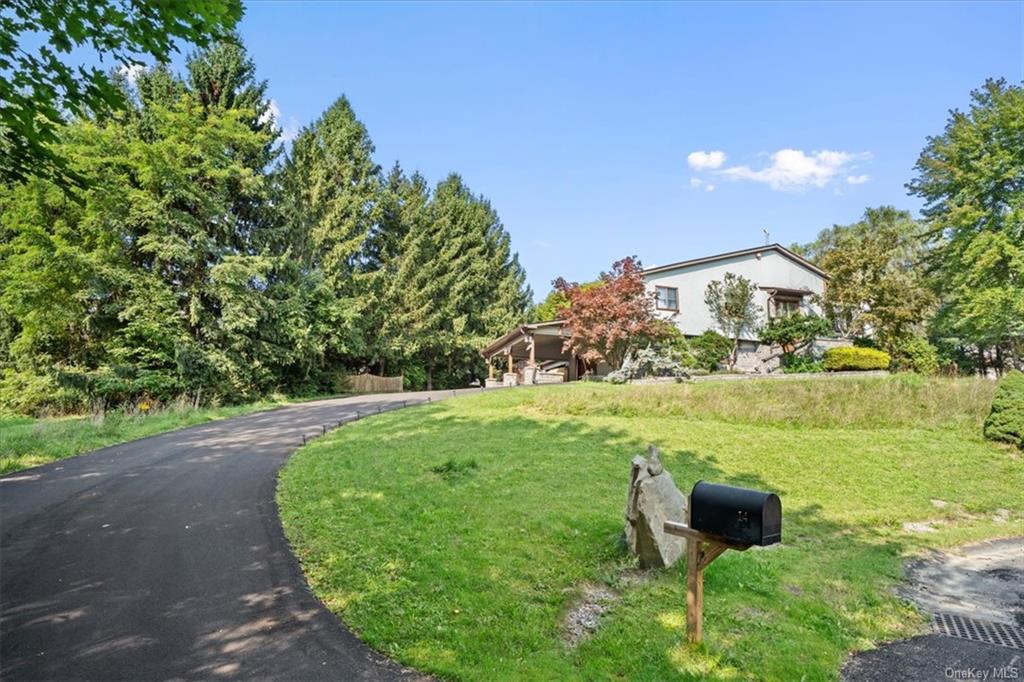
(735, 352)
(430, 379)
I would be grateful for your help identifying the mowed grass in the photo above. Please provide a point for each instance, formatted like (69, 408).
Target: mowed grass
(27, 442)
(456, 536)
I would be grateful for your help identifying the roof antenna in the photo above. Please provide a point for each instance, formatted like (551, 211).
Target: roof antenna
(767, 234)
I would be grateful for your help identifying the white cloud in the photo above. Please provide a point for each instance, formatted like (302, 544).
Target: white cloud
(705, 160)
(697, 183)
(273, 112)
(792, 169)
(289, 129)
(131, 72)
(857, 179)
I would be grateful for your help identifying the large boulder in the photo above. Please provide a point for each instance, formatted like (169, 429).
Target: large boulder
(653, 500)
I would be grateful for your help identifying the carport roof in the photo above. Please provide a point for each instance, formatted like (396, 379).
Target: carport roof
(522, 330)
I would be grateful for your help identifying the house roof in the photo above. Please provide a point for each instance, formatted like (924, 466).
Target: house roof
(743, 252)
(521, 330)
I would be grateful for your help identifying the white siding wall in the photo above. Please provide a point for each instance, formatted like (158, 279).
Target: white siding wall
(772, 269)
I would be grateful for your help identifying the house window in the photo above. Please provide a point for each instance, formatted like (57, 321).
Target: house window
(668, 298)
(784, 307)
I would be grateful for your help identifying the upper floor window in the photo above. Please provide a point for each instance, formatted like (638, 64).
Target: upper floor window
(668, 298)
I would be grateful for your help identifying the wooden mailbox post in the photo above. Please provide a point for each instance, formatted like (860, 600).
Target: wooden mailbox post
(721, 517)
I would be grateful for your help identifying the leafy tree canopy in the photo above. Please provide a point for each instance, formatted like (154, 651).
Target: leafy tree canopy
(877, 272)
(605, 322)
(971, 178)
(555, 303)
(731, 302)
(40, 90)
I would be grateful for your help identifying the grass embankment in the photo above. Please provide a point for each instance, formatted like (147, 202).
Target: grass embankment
(27, 442)
(456, 536)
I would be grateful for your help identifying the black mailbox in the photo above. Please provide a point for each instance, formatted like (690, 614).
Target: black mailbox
(742, 515)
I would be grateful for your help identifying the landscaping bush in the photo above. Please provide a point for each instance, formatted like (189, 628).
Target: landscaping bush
(793, 363)
(646, 363)
(915, 355)
(1006, 419)
(709, 349)
(853, 358)
(35, 394)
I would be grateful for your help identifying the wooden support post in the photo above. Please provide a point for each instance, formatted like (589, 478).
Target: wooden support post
(694, 589)
(701, 550)
(490, 369)
(533, 352)
(510, 366)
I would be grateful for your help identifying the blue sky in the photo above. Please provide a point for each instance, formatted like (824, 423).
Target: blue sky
(580, 121)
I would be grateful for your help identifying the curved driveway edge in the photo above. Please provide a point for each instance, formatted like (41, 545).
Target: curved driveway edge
(164, 558)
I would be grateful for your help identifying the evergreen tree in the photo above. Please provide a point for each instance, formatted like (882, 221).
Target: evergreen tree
(330, 188)
(331, 185)
(191, 266)
(457, 286)
(403, 212)
(134, 269)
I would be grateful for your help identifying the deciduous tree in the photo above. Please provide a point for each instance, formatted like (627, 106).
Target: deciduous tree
(971, 178)
(39, 88)
(731, 303)
(877, 280)
(606, 321)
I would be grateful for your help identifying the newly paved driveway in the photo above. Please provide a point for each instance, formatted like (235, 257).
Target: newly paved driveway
(164, 558)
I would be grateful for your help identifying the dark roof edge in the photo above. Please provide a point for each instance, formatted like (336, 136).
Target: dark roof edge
(742, 252)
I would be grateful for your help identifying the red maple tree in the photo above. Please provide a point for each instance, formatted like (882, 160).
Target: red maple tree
(606, 321)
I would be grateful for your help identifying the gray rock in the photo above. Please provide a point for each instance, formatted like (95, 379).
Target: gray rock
(653, 500)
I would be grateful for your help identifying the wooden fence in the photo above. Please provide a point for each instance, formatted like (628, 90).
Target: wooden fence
(371, 383)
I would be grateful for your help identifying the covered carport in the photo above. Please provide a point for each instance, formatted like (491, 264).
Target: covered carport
(532, 354)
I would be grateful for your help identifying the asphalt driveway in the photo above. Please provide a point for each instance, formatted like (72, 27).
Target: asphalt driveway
(164, 559)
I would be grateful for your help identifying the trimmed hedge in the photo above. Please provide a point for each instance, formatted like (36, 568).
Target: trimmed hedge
(844, 359)
(1005, 422)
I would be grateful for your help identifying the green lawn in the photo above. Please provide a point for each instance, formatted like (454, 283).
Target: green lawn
(27, 442)
(455, 536)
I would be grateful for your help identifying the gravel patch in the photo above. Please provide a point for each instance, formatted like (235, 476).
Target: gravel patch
(585, 616)
(983, 581)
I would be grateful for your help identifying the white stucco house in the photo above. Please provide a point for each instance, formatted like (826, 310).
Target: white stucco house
(786, 283)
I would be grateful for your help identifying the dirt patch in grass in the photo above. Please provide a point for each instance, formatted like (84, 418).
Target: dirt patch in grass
(584, 617)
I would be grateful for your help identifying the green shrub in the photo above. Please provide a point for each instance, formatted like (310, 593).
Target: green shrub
(1006, 419)
(795, 330)
(709, 349)
(915, 355)
(25, 392)
(793, 363)
(853, 358)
